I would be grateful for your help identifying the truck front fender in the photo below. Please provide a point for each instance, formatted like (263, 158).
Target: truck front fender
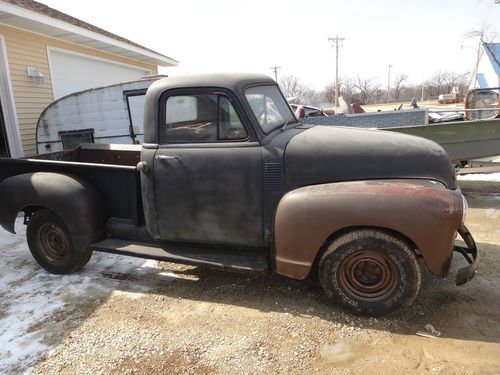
(424, 212)
(72, 198)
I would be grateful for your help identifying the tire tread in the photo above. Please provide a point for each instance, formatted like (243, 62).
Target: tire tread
(374, 234)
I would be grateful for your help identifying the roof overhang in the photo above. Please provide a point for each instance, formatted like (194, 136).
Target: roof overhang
(19, 17)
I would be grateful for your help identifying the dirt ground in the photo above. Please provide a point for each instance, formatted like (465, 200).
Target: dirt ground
(175, 319)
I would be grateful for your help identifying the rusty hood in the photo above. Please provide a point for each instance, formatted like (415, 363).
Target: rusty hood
(323, 154)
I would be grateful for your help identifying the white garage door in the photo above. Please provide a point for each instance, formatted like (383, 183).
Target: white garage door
(75, 72)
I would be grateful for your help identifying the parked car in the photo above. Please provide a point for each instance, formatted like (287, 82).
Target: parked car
(228, 178)
(448, 98)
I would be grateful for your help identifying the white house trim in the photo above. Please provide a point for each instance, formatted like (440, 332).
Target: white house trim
(91, 57)
(8, 105)
(59, 27)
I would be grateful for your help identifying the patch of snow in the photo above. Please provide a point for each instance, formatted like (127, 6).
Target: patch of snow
(30, 296)
(480, 177)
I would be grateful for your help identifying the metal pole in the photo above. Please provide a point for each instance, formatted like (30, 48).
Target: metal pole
(336, 74)
(473, 74)
(423, 85)
(389, 82)
(275, 70)
(336, 41)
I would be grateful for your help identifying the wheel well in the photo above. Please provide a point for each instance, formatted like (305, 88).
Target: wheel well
(30, 210)
(341, 232)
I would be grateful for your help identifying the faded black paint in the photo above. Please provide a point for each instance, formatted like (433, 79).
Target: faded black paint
(226, 194)
(72, 198)
(324, 154)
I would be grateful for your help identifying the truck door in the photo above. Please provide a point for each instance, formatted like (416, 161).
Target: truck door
(208, 172)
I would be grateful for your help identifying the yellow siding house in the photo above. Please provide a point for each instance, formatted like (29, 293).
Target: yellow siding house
(46, 54)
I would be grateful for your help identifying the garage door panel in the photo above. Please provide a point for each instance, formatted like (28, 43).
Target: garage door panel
(71, 73)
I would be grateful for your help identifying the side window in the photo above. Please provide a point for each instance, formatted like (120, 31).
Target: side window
(230, 126)
(200, 118)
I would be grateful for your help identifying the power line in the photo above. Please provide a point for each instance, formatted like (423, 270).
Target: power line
(335, 43)
(275, 70)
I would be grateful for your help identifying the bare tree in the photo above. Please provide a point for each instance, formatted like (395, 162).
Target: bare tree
(485, 32)
(312, 97)
(398, 84)
(367, 88)
(292, 86)
(443, 82)
(330, 93)
(347, 89)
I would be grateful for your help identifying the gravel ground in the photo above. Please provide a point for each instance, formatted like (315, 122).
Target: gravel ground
(177, 319)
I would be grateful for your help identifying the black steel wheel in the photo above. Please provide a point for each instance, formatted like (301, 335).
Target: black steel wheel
(370, 272)
(51, 245)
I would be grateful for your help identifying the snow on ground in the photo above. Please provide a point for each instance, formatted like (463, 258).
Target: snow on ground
(30, 296)
(480, 177)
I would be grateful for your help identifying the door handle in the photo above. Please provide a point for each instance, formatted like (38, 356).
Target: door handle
(143, 167)
(167, 157)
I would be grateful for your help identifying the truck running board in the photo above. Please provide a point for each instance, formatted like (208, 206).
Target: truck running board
(239, 261)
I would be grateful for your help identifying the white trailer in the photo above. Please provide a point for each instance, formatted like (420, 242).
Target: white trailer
(110, 114)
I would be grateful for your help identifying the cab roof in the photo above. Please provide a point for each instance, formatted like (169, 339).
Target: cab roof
(230, 81)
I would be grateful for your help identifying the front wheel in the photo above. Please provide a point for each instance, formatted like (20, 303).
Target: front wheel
(51, 245)
(370, 272)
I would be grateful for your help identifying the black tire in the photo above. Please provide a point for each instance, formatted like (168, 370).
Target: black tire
(51, 245)
(370, 272)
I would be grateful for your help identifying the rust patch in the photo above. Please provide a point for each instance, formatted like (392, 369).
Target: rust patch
(423, 211)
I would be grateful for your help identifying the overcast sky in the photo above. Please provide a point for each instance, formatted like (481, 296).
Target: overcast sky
(416, 37)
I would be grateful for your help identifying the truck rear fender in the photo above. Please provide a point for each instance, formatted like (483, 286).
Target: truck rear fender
(422, 211)
(75, 200)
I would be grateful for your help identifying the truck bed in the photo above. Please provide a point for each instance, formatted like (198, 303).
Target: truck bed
(128, 155)
(110, 168)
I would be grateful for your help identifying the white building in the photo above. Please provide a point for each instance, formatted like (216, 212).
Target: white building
(46, 54)
(488, 67)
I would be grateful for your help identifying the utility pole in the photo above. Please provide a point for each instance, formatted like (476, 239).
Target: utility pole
(335, 42)
(275, 70)
(473, 75)
(423, 89)
(389, 82)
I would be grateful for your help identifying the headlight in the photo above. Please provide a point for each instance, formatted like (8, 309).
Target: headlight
(465, 208)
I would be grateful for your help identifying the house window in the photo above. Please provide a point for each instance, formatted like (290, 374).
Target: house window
(72, 139)
(201, 118)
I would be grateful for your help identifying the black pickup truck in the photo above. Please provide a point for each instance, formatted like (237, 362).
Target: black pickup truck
(228, 178)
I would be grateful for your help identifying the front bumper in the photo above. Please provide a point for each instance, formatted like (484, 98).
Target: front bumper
(470, 254)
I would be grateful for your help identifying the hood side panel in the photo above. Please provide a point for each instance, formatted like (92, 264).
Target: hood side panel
(324, 154)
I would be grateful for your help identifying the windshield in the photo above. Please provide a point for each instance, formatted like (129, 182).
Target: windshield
(269, 107)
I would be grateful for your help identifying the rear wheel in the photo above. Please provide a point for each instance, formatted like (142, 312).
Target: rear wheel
(370, 272)
(51, 245)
